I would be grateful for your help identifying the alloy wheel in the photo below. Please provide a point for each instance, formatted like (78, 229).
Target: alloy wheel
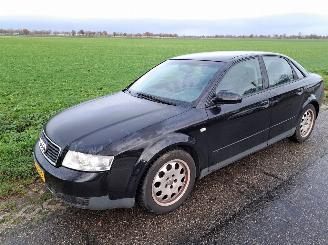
(307, 123)
(170, 182)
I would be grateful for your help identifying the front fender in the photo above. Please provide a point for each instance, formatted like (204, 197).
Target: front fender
(168, 141)
(155, 149)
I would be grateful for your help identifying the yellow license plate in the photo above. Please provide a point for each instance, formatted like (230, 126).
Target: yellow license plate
(40, 172)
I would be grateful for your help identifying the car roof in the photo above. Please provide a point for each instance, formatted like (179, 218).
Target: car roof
(221, 55)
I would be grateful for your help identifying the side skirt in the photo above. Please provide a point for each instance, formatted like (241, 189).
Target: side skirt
(241, 155)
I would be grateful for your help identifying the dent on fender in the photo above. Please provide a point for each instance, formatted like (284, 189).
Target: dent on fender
(169, 140)
(310, 99)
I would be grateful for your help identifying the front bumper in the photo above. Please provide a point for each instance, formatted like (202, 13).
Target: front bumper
(88, 190)
(93, 203)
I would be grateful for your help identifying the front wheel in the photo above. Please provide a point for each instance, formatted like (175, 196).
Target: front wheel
(305, 124)
(168, 182)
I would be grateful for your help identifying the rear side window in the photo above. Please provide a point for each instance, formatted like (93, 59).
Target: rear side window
(243, 78)
(278, 69)
(298, 72)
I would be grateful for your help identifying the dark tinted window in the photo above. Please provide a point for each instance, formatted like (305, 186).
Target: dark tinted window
(298, 72)
(279, 71)
(243, 78)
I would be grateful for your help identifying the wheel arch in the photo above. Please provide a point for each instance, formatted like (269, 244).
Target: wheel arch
(316, 106)
(154, 151)
(180, 146)
(313, 101)
(171, 142)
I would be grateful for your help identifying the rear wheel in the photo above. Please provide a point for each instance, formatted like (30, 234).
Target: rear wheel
(168, 182)
(305, 124)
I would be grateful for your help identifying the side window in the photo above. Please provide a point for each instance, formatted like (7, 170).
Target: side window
(243, 78)
(298, 72)
(279, 71)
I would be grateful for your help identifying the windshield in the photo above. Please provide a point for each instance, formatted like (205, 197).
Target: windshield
(179, 80)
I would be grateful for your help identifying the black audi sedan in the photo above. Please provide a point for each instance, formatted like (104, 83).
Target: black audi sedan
(180, 121)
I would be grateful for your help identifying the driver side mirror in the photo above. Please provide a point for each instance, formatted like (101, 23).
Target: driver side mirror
(227, 97)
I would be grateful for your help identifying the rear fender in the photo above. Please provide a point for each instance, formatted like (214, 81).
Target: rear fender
(312, 99)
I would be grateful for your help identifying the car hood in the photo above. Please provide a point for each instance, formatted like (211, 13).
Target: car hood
(114, 117)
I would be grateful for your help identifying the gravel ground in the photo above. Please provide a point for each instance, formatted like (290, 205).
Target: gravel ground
(294, 213)
(278, 195)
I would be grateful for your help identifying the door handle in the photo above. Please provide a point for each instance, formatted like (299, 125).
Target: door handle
(300, 91)
(264, 103)
(258, 106)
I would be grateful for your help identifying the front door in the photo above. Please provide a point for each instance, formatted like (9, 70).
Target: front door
(238, 129)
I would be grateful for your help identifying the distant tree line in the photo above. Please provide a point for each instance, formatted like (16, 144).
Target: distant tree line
(83, 33)
(145, 34)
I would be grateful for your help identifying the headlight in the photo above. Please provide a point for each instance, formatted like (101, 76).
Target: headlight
(87, 162)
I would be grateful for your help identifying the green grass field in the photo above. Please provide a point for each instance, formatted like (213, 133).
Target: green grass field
(41, 76)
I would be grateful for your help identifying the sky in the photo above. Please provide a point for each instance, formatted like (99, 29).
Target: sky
(185, 17)
(164, 9)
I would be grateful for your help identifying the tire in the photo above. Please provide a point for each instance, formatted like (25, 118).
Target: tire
(302, 133)
(165, 177)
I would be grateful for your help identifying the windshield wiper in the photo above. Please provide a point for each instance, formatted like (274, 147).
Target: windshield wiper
(153, 98)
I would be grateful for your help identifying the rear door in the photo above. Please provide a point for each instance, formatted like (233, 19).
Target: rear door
(286, 96)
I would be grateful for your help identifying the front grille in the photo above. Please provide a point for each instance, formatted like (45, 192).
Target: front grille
(49, 149)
